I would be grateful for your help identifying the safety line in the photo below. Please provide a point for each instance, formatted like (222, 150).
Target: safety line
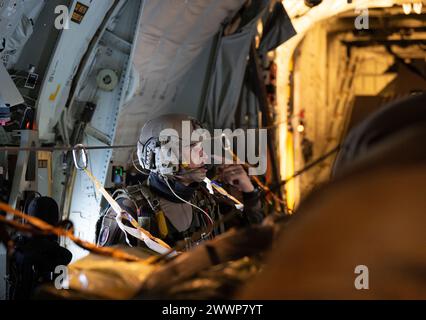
(64, 148)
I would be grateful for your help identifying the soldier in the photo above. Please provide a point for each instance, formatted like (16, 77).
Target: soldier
(173, 203)
(35, 258)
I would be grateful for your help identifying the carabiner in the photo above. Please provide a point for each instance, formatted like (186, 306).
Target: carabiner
(79, 154)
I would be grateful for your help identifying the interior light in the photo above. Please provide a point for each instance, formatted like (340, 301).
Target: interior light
(406, 7)
(417, 7)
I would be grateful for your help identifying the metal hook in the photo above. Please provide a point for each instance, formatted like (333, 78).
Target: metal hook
(79, 154)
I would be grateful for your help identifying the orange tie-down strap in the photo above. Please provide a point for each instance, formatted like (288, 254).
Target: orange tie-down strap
(49, 229)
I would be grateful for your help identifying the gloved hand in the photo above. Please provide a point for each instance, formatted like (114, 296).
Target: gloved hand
(236, 175)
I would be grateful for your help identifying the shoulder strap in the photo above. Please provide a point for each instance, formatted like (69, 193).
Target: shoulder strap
(152, 199)
(154, 203)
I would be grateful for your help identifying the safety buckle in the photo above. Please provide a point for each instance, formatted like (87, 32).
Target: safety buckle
(79, 154)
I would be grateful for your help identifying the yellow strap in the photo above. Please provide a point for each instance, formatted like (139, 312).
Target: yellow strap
(162, 224)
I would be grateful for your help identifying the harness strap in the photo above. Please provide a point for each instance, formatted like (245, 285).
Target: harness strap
(136, 231)
(154, 203)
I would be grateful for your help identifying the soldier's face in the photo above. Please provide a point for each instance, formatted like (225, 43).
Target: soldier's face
(194, 160)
